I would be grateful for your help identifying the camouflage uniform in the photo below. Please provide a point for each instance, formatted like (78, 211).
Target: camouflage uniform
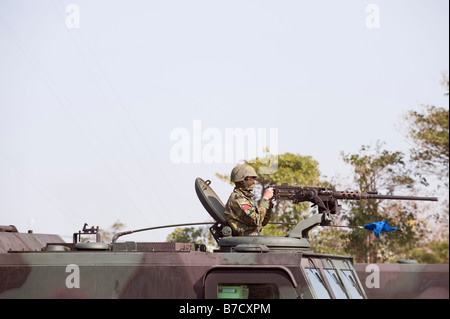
(243, 216)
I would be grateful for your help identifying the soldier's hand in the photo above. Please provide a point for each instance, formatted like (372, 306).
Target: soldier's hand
(268, 194)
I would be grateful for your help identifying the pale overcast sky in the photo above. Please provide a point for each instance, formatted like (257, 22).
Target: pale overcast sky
(99, 98)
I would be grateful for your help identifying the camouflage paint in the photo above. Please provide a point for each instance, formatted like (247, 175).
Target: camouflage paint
(263, 266)
(181, 271)
(404, 281)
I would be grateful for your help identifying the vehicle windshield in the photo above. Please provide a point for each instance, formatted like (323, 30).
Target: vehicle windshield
(317, 283)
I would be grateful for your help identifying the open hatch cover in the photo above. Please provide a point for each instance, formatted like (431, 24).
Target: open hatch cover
(210, 201)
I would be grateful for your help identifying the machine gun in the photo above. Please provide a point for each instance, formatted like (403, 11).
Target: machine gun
(326, 200)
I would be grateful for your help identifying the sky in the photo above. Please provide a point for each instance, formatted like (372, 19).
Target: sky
(109, 110)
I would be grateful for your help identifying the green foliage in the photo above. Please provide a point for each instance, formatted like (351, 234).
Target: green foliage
(435, 252)
(330, 240)
(274, 230)
(377, 169)
(429, 132)
(197, 235)
(296, 170)
(293, 169)
(184, 235)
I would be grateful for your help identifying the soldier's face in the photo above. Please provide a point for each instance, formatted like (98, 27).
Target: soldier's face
(249, 181)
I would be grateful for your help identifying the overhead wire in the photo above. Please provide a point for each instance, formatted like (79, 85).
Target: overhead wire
(126, 111)
(56, 92)
(122, 130)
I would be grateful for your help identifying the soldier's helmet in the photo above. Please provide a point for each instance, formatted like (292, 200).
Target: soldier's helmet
(240, 172)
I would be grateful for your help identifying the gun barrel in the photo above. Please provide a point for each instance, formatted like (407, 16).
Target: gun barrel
(430, 199)
(357, 195)
(287, 192)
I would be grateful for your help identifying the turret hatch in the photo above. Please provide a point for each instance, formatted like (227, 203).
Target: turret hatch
(210, 201)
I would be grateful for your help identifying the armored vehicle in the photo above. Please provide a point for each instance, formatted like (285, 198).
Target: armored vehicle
(244, 267)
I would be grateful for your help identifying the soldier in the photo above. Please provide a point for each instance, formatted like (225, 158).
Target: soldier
(243, 215)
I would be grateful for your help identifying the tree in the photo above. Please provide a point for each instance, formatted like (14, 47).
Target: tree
(434, 252)
(377, 169)
(185, 235)
(429, 133)
(198, 235)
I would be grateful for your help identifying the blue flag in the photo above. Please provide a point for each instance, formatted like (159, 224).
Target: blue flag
(378, 227)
